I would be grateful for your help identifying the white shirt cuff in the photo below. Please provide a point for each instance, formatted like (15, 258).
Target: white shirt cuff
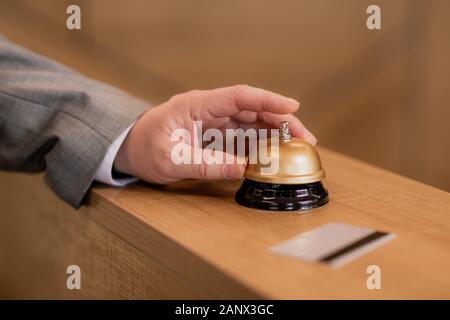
(104, 172)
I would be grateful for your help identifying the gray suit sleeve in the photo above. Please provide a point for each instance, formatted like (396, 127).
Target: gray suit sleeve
(54, 119)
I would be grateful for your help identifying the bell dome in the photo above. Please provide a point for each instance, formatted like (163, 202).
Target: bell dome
(298, 163)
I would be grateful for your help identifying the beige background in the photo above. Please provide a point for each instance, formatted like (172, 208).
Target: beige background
(380, 96)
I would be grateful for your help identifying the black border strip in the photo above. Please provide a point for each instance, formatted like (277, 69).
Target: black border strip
(352, 246)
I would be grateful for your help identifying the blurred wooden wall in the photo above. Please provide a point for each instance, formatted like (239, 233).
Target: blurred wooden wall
(381, 96)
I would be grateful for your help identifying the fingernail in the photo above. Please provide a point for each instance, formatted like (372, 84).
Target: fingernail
(310, 137)
(233, 171)
(293, 101)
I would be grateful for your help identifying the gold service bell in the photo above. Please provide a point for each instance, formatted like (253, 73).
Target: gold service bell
(295, 186)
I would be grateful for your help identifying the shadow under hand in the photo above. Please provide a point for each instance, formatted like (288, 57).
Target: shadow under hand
(217, 189)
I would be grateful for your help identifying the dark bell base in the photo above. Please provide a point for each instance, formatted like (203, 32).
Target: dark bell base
(281, 197)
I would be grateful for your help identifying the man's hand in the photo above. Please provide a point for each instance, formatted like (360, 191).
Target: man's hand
(146, 152)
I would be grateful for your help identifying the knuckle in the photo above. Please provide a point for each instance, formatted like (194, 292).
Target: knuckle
(238, 89)
(177, 98)
(187, 98)
(193, 92)
(188, 95)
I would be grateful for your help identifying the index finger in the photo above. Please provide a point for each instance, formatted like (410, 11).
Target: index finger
(228, 101)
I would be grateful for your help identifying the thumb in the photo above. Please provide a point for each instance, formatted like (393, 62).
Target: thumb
(226, 166)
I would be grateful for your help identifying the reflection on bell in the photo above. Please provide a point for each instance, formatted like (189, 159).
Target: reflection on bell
(295, 186)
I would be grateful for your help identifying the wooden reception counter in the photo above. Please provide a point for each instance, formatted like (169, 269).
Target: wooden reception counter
(191, 240)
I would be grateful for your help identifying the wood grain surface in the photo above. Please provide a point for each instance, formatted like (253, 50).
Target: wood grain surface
(192, 240)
